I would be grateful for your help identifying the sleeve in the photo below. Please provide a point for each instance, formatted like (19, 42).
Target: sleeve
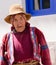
(45, 55)
(2, 51)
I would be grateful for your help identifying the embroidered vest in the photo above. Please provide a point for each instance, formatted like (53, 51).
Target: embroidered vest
(35, 45)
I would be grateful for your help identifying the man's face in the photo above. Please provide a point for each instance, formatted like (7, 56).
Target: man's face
(19, 22)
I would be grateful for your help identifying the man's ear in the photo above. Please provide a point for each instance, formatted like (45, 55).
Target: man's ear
(12, 23)
(11, 19)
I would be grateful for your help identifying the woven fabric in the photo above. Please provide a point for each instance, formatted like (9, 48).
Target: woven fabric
(33, 62)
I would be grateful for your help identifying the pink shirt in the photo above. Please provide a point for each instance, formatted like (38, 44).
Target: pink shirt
(23, 45)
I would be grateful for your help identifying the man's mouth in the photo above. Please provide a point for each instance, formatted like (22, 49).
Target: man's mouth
(19, 26)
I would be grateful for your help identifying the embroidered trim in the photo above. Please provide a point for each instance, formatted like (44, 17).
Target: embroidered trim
(44, 47)
(1, 58)
(10, 44)
(35, 44)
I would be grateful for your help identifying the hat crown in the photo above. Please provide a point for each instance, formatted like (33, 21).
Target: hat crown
(16, 9)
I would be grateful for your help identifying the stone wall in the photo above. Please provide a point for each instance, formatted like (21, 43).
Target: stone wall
(52, 48)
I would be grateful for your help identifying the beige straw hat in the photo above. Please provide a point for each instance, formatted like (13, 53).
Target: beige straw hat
(16, 9)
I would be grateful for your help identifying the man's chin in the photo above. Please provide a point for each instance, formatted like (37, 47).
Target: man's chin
(20, 29)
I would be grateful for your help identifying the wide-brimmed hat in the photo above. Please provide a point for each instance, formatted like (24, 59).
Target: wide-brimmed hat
(16, 9)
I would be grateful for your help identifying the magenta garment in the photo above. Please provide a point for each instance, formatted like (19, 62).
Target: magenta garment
(23, 46)
(43, 51)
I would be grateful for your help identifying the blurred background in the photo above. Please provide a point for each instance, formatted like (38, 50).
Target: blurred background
(42, 18)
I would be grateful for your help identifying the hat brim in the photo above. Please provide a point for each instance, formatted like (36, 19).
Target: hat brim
(7, 18)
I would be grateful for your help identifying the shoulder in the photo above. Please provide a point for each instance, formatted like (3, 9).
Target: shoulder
(5, 38)
(37, 31)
